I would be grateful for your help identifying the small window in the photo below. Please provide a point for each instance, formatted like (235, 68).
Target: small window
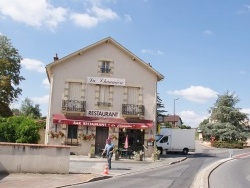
(164, 139)
(133, 95)
(105, 67)
(104, 96)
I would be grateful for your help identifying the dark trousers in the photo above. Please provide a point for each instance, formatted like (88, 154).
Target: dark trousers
(109, 157)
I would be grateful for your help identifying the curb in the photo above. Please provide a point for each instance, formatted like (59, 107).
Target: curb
(174, 162)
(151, 167)
(202, 178)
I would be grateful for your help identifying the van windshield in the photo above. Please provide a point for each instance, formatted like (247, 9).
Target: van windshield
(158, 137)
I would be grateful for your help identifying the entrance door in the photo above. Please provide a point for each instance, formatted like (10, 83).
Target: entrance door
(72, 135)
(101, 137)
(135, 139)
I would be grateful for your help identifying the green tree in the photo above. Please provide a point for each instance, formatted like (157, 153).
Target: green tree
(5, 111)
(28, 108)
(159, 106)
(10, 65)
(225, 111)
(204, 122)
(7, 131)
(166, 125)
(159, 112)
(226, 123)
(16, 111)
(20, 129)
(28, 131)
(184, 127)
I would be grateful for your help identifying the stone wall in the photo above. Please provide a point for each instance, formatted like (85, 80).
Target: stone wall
(33, 158)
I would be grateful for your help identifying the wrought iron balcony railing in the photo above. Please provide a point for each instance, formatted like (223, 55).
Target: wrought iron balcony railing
(74, 105)
(132, 109)
(105, 70)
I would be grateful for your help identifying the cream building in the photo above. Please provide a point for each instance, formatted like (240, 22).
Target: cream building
(99, 91)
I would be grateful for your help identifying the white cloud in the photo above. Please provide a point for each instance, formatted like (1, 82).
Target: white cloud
(104, 14)
(127, 18)
(41, 100)
(41, 13)
(197, 94)
(244, 10)
(207, 32)
(84, 20)
(33, 64)
(46, 83)
(246, 110)
(43, 103)
(93, 16)
(159, 52)
(36, 13)
(192, 119)
(151, 52)
(15, 104)
(147, 51)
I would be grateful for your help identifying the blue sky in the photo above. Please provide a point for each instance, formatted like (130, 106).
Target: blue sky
(201, 46)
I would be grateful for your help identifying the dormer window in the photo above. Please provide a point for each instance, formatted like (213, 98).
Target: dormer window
(105, 67)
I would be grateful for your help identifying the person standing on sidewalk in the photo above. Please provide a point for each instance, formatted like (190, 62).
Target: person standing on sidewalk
(109, 148)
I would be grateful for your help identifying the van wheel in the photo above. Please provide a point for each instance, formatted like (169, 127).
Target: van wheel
(185, 151)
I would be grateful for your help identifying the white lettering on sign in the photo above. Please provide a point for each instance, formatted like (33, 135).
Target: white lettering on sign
(100, 113)
(106, 81)
(77, 123)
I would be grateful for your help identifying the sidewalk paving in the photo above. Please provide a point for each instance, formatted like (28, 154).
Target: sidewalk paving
(80, 174)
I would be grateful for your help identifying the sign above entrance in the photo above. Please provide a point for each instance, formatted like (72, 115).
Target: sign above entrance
(101, 121)
(106, 81)
(102, 113)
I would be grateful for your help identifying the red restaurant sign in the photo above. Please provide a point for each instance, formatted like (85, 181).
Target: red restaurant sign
(102, 122)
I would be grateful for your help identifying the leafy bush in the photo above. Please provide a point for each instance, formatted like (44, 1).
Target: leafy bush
(20, 129)
(223, 144)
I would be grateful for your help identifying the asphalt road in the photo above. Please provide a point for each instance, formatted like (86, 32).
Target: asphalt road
(160, 177)
(232, 174)
(180, 175)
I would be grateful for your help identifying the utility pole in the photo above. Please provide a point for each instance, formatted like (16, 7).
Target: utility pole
(174, 111)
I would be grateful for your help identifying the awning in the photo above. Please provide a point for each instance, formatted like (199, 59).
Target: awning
(102, 121)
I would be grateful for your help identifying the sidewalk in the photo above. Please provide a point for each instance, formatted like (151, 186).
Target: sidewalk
(84, 169)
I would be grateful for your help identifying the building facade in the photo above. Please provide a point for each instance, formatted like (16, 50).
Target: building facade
(99, 91)
(174, 120)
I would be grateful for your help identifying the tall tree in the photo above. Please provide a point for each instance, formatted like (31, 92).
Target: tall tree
(10, 65)
(160, 106)
(226, 122)
(225, 111)
(28, 108)
(5, 111)
(159, 112)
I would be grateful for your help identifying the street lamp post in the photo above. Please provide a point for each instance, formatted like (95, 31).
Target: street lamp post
(174, 111)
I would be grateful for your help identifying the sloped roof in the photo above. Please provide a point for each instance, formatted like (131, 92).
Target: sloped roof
(172, 118)
(105, 40)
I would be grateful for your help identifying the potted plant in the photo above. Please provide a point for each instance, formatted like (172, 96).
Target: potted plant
(156, 155)
(91, 154)
(138, 155)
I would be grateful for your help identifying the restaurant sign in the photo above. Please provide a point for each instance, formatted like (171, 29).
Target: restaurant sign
(106, 81)
(102, 113)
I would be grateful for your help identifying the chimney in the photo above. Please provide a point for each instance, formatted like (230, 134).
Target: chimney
(56, 58)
